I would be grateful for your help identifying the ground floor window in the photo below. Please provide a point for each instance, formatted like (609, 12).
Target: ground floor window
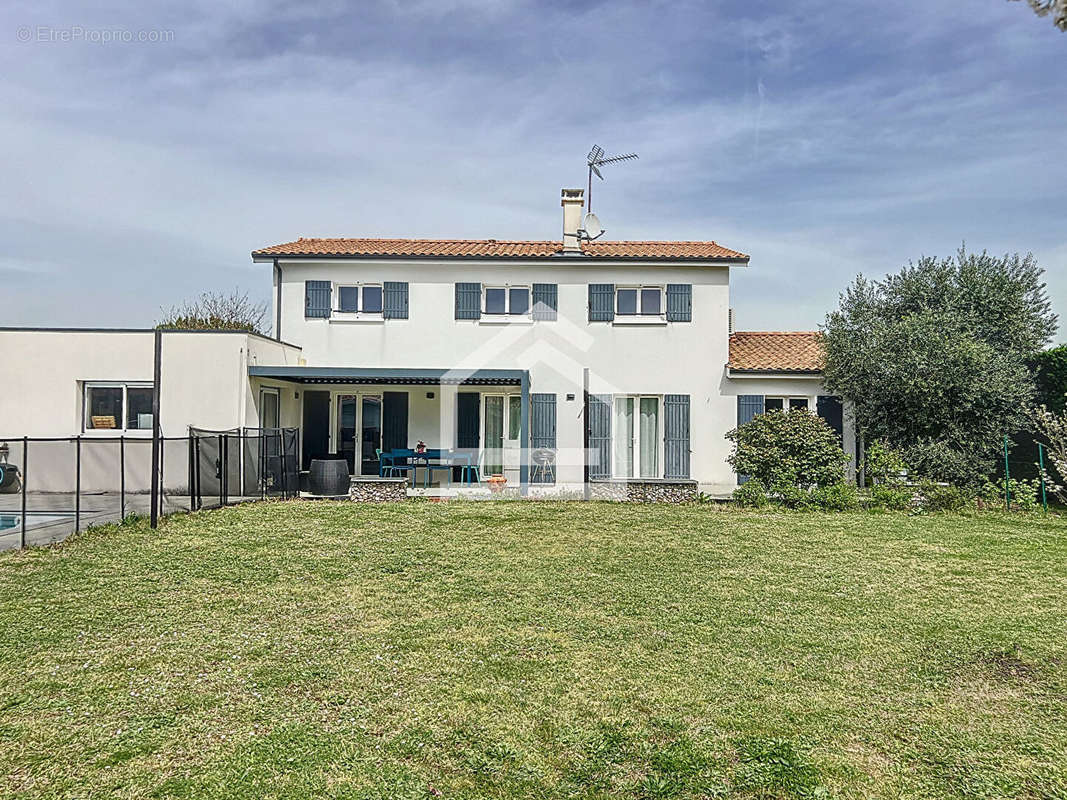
(118, 407)
(637, 438)
(785, 404)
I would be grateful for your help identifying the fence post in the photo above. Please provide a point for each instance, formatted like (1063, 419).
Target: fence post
(222, 470)
(77, 482)
(1007, 477)
(122, 478)
(191, 472)
(1041, 464)
(157, 369)
(25, 460)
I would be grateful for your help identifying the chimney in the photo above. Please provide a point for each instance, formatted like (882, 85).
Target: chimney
(572, 201)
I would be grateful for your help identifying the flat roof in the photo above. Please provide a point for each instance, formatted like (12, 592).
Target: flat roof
(490, 377)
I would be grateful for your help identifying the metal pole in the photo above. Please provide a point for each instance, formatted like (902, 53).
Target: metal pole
(1041, 463)
(191, 495)
(222, 470)
(25, 459)
(77, 483)
(1007, 476)
(122, 477)
(585, 432)
(157, 360)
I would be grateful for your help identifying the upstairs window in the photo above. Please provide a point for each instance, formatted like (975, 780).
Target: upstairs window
(639, 301)
(118, 407)
(361, 298)
(506, 300)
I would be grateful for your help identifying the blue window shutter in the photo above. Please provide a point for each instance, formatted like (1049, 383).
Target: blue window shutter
(468, 301)
(748, 407)
(679, 302)
(601, 302)
(599, 426)
(395, 300)
(543, 431)
(317, 299)
(676, 435)
(545, 300)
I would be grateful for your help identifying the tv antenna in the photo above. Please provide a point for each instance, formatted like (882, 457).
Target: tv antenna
(595, 160)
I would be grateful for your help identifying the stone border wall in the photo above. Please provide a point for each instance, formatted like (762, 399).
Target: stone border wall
(644, 490)
(378, 490)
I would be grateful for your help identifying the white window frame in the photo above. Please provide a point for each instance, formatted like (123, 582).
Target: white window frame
(661, 315)
(636, 465)
(359, 313)
(507, 287)
(272, 390)
(785, 401)
(121, 429)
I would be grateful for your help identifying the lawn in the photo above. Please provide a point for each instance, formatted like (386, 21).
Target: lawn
(537, 650)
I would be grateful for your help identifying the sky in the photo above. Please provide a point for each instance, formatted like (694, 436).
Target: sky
(148, 148)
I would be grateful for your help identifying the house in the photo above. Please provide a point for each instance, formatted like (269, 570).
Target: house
(552, 362)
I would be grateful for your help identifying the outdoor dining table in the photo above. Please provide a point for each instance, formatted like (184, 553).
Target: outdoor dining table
(436, 459)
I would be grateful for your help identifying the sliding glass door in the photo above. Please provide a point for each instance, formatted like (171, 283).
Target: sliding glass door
(494, 434)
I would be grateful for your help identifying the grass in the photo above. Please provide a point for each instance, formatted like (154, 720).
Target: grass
(538, 650)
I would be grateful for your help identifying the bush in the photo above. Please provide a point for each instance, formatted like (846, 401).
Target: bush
(894, 498)
(751, 495)
(933, 497)
(1025, 495)
(840, 496)
(788, 449)
(883, 464)
(794, 497)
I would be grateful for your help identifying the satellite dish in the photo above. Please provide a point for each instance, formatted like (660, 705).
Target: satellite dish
(591, 226)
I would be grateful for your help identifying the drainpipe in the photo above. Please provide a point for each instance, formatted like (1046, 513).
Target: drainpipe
(585, 433)
(278, 301)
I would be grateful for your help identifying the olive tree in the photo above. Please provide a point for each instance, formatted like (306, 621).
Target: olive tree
(936, 359)
(216, 311)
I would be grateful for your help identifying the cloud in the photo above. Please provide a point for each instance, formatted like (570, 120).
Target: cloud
(821, 141)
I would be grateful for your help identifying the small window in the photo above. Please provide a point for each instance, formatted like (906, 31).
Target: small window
(139, 408)
(509, 300)
(785, 403)
(118, 407)
(365, 298)
(626, 301)
(645, 301)
(496, 301)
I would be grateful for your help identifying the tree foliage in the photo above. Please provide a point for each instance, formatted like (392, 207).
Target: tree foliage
(1057, 9)
(1051, 372)
(216, 311)
(788, 450)
(1053, 428)
(936, 358)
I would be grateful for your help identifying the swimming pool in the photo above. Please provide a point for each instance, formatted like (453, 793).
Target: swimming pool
(33, 520)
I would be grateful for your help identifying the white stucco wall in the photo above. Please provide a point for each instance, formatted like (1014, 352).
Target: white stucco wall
(204, 377)
(676, 357)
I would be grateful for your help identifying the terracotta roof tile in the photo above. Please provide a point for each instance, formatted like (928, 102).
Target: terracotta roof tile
(497, 248)
(776, 351)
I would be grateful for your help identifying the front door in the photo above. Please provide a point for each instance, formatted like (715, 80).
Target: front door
(359, 431)
(316, 429)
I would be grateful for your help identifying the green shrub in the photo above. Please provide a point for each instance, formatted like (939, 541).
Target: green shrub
(788, 449)
(794, 497)
(1025, 495)
(934, 497)
(883, 464)
(751, 495)
(840, 496)
(894, 498)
